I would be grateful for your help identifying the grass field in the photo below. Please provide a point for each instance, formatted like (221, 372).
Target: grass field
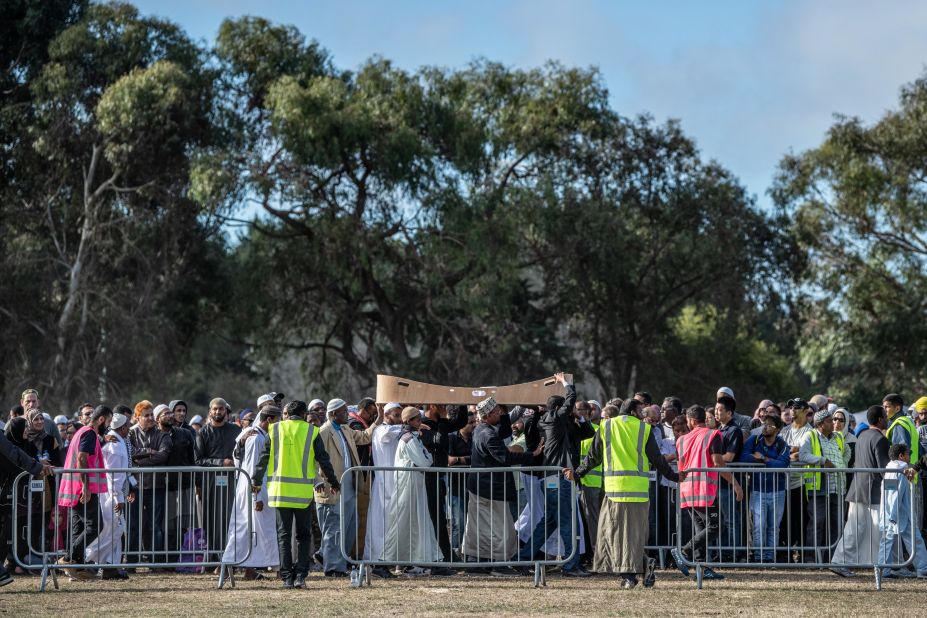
(743, 593)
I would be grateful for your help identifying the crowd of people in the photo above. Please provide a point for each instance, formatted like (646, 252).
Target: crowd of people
(615, 473)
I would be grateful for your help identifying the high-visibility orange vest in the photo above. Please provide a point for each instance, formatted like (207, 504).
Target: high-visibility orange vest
(699, 488)
(71, 486)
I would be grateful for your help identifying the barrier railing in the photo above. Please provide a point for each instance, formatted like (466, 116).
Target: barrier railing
(796, 519)
(407, 524)
(154, 517)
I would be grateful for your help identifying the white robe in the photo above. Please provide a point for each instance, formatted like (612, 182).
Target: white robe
(860, 541)
(383, 445)
(107, 547)
(263, 540)
(534, 512)
(410, 536)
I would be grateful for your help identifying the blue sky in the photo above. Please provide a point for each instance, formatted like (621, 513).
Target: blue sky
(749, 80)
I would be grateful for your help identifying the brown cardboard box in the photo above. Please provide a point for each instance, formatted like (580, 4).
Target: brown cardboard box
(401, 390)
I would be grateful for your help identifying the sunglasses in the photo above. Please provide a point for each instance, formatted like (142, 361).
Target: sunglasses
(839, 419)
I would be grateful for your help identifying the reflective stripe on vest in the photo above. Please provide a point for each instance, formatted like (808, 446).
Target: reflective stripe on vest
(699, 489)
(593, 478)
(291, 466)
(71, 487)
(812, 480)
(626, 477)
(913, 438)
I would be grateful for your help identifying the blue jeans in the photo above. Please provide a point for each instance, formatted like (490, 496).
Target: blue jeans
(334, 522)
(457, 512)
(767, 509)
(731, 523)
(557, 512)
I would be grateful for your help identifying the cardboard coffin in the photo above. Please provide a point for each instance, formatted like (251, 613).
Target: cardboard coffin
(402, 390)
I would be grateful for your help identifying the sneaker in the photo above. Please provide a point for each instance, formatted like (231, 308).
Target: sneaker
(288, 581)
(414, 572)
(897, 574)
(113, 574)
(842, 571)
(300, 581)
(679, 558)
(920, 575)
(5, 577)
(630, 581)
(650, 576)
(708, 573)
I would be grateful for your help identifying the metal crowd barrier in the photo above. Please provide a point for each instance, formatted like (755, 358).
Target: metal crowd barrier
(408, 519)
(778, 525)
(180, 519)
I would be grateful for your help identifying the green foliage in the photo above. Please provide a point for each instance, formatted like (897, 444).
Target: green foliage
(858, 207)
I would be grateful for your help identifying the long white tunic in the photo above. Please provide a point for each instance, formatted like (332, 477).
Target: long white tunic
(410, 536)
(263, 540)
(383, 445)
(107, 547)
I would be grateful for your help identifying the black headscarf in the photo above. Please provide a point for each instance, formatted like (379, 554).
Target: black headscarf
(15, 430)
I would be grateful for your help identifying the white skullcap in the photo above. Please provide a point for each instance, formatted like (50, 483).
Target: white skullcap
(392, 406)
(335, 404)
(118, 420)
(196, 420)
(726, 390)
(264, 399)
(61, 419)
(161, 409)
(315, 402)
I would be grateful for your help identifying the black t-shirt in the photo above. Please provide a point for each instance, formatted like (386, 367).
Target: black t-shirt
(733, 439)
(716, 446)
(88, 443)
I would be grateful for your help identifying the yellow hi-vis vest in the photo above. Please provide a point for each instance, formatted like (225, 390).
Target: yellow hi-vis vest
(913, 438)
(626, 470)
(291, 466)
(812, 480)
(593, 478)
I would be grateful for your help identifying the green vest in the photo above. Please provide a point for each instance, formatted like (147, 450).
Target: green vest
(626, 468)
(291, 466)
(593, 478)
(908, 425)
(812, 480)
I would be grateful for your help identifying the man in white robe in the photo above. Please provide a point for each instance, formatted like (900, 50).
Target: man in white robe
(263, 539)
(410, 536)
(383, 451)
(107, 547)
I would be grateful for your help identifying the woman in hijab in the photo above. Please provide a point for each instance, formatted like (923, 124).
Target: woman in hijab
(17, 431)
(38, 443)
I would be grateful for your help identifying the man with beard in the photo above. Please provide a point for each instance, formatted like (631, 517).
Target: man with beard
(214, 446)
(383, 444)
(437, 425)
(79, 491)
(151, 447)
(181, 496)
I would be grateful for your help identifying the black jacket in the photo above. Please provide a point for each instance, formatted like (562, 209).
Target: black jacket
(182, 454)
(14, 460)
(871, 452)
(489, 451)
(562, 433)
(215, 444)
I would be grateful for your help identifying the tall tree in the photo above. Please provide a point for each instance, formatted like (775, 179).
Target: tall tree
(859, 212)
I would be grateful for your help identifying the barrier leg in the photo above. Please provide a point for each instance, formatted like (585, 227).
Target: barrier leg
(698, 576)
(221, 577)
(878, 578)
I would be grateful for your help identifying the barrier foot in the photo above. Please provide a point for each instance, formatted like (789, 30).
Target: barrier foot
(540, 575)
(229, 572)
(698, 576)
(44, 579)
(878, 578)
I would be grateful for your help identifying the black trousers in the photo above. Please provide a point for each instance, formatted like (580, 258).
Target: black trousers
(437, 499)
(705, 520)
(85, 526)
(824, 527)
(285, 519)
(792, 527)
(6, 532)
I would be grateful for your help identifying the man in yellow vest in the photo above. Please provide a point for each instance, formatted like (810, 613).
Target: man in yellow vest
(590, 500)
(903, 430)
(822, 447)
(626, 449)
(290, 458)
